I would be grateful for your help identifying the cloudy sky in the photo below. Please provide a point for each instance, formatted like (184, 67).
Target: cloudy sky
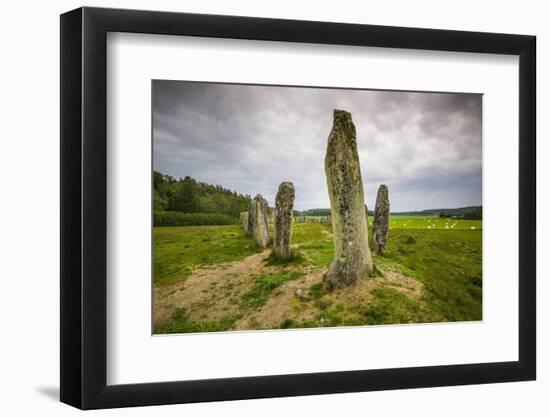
(425, 146)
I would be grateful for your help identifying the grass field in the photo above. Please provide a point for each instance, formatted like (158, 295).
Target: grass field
(213, 278)
(422, 222)
(178, 250)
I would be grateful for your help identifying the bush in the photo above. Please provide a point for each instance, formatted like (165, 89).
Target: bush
(177, 218)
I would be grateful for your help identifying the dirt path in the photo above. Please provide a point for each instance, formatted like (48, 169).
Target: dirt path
(214, 292)
(212, 288)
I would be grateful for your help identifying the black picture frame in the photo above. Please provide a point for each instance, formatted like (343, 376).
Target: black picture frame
(84, 207)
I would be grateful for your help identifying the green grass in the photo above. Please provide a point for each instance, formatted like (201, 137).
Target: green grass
(176, 218)
(431, 223)
(392, 306)
(298, 324)
(181, 323)
(177, 250)
(423, 222)
(447, 261)
(264, 285)
(315, 242)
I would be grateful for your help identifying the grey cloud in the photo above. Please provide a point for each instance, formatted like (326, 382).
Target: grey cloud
(425, 146)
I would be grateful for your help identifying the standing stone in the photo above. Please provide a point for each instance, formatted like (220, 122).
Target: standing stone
(244, 220)
(257, 221)
(284, 204)
(352, 258)
(380, 224)
(367, 214)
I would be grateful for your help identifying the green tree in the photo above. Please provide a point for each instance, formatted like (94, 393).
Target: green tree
(159, 203)
(186, 197)
(190, 196)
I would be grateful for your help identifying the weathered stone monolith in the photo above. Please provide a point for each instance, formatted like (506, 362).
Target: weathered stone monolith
(380, 224)
(284, 204)
(257, 221)
(352, 258)
(243, 219)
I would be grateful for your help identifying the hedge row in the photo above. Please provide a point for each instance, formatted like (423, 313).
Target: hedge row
(177, 218)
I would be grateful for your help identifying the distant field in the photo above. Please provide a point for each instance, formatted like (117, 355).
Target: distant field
(423, 222)
(432, 222)
(213, 278)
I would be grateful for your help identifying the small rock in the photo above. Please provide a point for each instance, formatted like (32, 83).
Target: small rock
(300, 295)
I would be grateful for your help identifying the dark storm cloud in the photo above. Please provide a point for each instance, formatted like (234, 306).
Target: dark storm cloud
(425, 146)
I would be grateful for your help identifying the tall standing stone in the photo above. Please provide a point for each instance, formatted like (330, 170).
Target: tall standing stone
(243, 219)
(380, 224)
(284, 205)
(257, 221)
(352, 258)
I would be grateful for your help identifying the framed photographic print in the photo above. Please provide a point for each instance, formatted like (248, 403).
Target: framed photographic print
(257, 207)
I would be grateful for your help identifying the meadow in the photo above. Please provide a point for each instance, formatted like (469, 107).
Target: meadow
(214, 278)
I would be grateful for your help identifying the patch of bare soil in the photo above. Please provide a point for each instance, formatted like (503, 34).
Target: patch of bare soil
(215, 292)
(285, 304)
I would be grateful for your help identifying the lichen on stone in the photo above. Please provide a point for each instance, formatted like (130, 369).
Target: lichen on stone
(352, 258)
(380, 224)
(284, 206)
(258, 227)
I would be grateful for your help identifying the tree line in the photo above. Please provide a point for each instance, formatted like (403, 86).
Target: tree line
(313, 212)
(475, 214)
(187, 195)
